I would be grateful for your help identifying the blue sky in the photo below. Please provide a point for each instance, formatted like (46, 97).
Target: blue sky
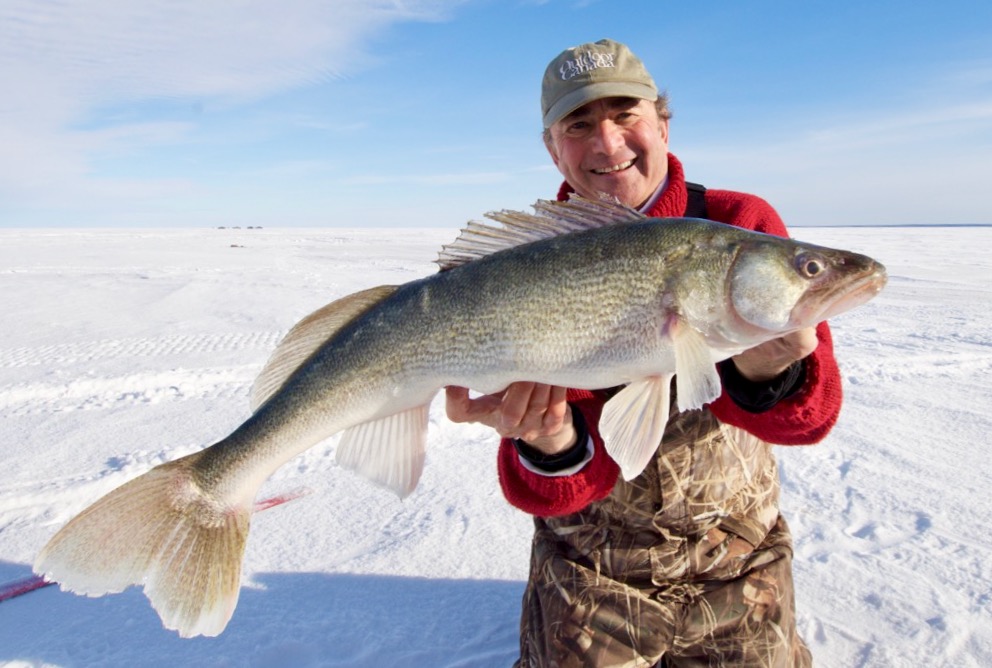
(357, 113)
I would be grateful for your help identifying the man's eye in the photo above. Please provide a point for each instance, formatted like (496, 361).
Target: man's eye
(578, 126)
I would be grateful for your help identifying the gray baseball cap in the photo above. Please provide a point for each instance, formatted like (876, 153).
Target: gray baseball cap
(592, 71)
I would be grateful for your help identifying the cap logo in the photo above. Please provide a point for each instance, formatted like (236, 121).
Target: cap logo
(586, 62)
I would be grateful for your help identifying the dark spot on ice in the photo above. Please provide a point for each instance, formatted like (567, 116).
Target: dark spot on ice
(117, 463)
(866, 532)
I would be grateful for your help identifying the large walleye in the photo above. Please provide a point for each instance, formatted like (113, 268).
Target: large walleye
(582, 294)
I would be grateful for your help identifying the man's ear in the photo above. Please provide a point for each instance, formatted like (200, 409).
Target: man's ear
(549, 143)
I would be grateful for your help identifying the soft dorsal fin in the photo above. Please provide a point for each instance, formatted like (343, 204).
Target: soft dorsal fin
(550, 219)
(307, 336)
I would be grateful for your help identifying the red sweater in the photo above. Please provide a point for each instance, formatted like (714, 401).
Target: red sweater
(803, 418)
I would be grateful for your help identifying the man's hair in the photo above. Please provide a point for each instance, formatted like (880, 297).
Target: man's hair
(660, 105)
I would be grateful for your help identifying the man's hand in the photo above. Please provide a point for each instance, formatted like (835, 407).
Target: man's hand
(535, 413)
(771, 358)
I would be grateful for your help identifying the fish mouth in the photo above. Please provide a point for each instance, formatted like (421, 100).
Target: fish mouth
(619, 167)
(843, 295)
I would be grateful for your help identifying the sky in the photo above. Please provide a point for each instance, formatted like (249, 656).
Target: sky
(377, 113)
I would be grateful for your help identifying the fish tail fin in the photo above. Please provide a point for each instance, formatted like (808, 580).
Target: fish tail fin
(164, 531)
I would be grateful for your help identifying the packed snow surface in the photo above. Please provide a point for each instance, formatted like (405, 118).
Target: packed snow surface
(124, 349)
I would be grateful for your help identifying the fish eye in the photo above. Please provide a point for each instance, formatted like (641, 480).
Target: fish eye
(810, 265)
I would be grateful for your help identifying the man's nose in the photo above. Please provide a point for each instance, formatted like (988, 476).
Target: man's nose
(608, 137)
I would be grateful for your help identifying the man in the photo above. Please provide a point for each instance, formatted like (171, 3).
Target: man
(689, 564)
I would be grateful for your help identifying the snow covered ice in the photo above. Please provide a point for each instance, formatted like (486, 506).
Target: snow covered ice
(122, 349)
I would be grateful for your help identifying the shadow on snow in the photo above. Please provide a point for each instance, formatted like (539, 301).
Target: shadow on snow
(282, 620)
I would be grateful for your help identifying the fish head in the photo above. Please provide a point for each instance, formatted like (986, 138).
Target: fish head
(781, 285)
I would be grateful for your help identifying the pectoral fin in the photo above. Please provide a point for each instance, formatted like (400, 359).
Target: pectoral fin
(389, 451)
(633, 422)
(696, 379)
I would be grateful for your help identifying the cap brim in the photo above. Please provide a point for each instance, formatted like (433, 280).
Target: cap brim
(597, 91)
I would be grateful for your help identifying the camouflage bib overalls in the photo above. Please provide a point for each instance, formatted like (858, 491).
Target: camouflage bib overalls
(688, 564)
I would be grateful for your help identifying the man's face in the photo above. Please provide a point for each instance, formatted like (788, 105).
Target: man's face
(616, 146)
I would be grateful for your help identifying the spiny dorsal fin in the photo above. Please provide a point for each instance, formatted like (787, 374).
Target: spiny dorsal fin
(550, 219)
(307, 336)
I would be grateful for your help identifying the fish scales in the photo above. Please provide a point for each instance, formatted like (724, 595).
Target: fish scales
(561, 311)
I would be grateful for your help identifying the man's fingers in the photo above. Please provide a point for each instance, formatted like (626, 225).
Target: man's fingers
(516, 405)
(462, 408)
(523, 410)
(769, 359)
(456, 403)
(554, 416)
(805, 342)
(533, 410)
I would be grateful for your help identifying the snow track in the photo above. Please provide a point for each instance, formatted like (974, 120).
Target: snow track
(162, 346)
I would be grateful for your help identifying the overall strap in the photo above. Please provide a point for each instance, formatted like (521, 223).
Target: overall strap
(696, 205)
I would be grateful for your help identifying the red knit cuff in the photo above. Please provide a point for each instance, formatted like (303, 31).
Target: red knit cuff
(547, 496)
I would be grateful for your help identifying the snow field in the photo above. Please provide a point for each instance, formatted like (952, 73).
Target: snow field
(123, 349)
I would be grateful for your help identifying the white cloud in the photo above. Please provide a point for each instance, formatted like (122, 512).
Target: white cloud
(98, 52)
(903, 126)
(443, 180)
(60, 61)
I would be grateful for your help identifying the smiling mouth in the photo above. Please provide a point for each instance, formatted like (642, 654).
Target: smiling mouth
(615, 168)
